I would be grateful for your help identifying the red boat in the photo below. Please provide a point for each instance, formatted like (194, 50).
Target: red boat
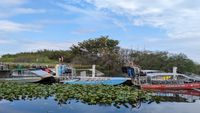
(171, 86)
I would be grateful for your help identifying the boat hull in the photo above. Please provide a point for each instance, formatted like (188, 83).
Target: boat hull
(21, 79)
(186, 86)
(5, 73)
(108, 81)
(29, 79)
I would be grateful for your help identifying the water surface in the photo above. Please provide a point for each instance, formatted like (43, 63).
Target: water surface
(165, 102)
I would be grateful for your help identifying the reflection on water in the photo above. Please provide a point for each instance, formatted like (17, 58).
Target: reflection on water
(173, 101)
(188, 96)
(166, 101)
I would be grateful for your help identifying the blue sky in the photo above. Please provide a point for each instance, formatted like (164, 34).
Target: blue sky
(158, 25)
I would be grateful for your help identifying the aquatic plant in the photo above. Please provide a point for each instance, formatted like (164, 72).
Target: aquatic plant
(90, 94)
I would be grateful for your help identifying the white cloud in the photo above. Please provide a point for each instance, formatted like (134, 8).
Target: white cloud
(40, 45)
(28, 11)
(119, 24)
(180, 18)
(6, 3)
(26, 45)
(9, 8)
(9, 26)
(4, 41)
(83, 31)
(89, 16)
(82, 12)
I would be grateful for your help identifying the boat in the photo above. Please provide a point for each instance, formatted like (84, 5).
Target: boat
(145, 72)
(185, 86)
(98, 80)
(173, 81)
(28, 75)
(4, 71)
(93, 79)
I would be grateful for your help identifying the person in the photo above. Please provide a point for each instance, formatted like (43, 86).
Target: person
(61, 59)
(131, 72)
(134, 71)
(19, 69)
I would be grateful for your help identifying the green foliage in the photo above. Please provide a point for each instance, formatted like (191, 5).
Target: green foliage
(41, 56)
(91, 94)
(108, 56)
(100, 51)
(164, 61)
(97, 46)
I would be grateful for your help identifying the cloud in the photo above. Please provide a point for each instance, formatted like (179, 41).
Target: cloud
(119, 24)
(82, 11)
(179, 18)
(9, 27)
(26, 45)
(28, 11)
(10, 3)
(83, 31)
(6, 41)
(88, 15)
(9, 8)
(39, 45)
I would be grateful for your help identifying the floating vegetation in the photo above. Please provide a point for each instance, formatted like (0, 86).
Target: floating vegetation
(90, 94)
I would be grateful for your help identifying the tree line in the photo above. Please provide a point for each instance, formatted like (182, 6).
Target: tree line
(40, 56)
(108, 56)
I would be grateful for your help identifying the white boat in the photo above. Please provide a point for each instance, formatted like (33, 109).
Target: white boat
(28, 76)
(94, 78)
(172, 80)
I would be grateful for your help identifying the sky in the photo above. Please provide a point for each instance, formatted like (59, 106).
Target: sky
(156, 25)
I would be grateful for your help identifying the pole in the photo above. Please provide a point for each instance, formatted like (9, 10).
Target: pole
(93, 70)
(175, 72)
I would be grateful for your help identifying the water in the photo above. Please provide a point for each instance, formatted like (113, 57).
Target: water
(165, 102)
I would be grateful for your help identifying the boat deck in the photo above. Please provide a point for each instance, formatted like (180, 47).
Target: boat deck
(97, 80)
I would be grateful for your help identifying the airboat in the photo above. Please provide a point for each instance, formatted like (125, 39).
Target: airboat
(173, 81)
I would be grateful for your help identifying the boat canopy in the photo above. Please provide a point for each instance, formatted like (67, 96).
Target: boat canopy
(180, 76)
(151, 71)
(40, 73)
(163, 74)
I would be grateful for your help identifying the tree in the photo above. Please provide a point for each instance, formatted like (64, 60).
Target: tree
(164, 61)
(97, 46)
(101, 51)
